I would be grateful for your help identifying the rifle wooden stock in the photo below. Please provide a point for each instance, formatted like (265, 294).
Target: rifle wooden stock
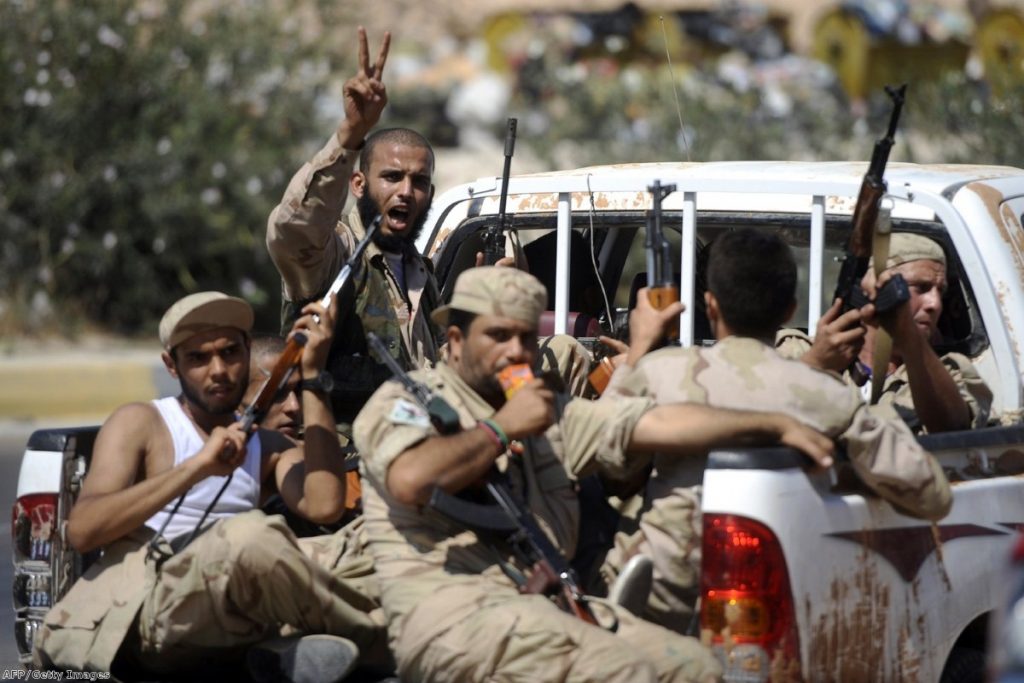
(576, 606)
(662, 290)
(661, 297)
(286, 363)
(601, 375)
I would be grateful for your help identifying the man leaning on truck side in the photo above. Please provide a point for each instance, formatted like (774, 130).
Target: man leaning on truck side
(751, 292)
(158, 603)
(932, 393)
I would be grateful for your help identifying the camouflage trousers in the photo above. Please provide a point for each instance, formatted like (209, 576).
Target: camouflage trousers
(505, 636)
(242, 581)
(670, 533)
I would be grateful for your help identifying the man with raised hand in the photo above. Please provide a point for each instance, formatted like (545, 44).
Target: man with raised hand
(931, 393)
(310, 240)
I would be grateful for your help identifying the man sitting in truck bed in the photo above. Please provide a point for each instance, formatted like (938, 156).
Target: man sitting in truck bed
(159, 604)
(455, 600)
(932, 394)
(751, 292)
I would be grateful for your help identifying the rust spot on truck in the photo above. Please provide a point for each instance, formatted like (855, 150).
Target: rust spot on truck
(1006, 221)
(844, 204)
(844, 643)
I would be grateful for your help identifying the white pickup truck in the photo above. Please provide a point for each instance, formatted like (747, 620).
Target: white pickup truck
(803, 578)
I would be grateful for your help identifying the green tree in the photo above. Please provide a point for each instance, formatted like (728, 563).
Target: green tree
(142, 146)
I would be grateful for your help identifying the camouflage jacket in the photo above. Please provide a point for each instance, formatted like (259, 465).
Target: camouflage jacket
(792, 343)
(744, 373)
(417, 551)
(310, 243)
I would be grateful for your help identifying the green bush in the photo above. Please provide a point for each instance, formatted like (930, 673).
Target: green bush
(143, 143)
(142, 146)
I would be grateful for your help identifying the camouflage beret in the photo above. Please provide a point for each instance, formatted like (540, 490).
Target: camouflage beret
(496, 290)
(908, 246)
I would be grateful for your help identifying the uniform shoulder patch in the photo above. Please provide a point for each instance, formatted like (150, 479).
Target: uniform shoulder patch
(406, 412)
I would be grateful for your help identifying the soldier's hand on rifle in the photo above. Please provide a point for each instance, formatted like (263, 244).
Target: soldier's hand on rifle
(531, 410)
(364, 94)
(619, 348)
(223, 451)
(648, 325)
(318, 335)
(838, 338)
(898, 322)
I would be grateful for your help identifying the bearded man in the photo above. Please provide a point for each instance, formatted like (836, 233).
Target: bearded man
(394, 291)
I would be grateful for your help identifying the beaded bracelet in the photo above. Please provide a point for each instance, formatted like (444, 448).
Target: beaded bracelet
(496, 432)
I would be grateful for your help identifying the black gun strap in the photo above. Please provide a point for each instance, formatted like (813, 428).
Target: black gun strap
(474, 516)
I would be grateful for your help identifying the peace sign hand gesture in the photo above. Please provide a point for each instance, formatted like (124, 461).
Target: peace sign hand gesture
(365, 95)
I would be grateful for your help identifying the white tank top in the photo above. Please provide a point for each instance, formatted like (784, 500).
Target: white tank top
(241, 495)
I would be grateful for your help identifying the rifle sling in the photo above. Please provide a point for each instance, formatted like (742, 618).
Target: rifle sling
(473, 516)
(883, 341)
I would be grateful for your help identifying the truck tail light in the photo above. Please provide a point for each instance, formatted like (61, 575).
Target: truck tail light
(33, 534)
(747, 614)
(34, 527)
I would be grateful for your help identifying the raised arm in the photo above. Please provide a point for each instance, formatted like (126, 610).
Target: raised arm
(301, 234)
(311, 477)
(937, 400)
(119, 494)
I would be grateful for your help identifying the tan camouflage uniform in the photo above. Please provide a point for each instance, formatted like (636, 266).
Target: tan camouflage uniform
(896, 388)
(743, 373)
(904, 248)
(232, 586)
(453, 615)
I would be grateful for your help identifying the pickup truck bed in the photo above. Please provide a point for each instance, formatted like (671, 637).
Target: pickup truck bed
(858, 592)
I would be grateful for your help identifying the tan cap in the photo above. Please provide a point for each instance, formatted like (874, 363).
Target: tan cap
(201, 312)
(496, 290)
(909, 246)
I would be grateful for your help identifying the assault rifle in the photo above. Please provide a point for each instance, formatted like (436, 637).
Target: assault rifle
(661, 282)
(550, 573)
(293, 349)
(494, 236)
(861, 244)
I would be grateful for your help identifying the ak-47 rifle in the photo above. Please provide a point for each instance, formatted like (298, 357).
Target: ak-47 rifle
(661, 282)
(868, 238)
(292, 352)
(550, 573)
(859, 248)
(494, 236)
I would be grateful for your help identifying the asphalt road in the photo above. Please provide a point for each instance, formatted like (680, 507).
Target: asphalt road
(13, 436)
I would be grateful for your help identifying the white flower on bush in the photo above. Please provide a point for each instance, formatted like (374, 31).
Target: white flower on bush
(109, 37)
(210, 196)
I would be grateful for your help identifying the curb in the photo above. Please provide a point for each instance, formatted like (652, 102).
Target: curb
(79, 386)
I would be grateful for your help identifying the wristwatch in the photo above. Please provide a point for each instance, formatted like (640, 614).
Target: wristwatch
(323, 383)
